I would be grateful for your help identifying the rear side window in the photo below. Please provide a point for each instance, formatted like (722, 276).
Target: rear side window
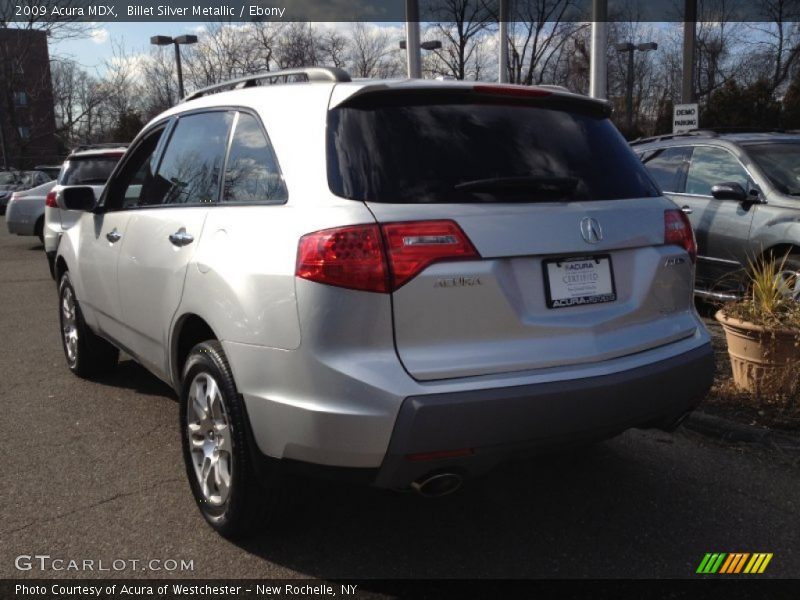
(252, 174)
(192, 165)
(668, 167)
(88, 170)
(467, 153)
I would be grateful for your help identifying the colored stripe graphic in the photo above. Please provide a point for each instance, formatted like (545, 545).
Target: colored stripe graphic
(734, 563)
(741, 562)
(711, 563)
(732, 559)
(758, 563)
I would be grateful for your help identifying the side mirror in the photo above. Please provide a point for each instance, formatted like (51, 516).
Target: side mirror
(729, 191)
(79, 198)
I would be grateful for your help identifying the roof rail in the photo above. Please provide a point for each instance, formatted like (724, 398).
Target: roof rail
(712, 132)
(669, 136)
(275, 77)
(82, 147)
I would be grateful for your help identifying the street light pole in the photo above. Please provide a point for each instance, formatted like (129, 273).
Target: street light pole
(630, 49)
(429, 45)
(180, 70)
(165, 40)
(413, 55)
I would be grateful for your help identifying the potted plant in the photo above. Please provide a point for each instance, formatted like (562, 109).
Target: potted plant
(763, 331)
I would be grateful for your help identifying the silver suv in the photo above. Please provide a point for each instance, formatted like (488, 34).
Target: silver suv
(741, 191)
(403, 282)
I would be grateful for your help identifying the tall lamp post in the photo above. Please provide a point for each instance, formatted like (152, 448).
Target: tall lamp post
(429, 45)
(165, 40)
(630, 49)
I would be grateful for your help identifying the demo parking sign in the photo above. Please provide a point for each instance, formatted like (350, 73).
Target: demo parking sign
(685, 118)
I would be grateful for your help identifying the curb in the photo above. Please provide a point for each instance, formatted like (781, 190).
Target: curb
(731, 431)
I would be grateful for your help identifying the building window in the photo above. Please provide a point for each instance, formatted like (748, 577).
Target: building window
(24, 133)
(20, 99)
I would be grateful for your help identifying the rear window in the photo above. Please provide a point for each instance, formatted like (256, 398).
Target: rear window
(91, 170)
(469, 153)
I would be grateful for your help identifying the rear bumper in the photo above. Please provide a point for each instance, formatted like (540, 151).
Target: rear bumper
(497, 424)
(19, 220)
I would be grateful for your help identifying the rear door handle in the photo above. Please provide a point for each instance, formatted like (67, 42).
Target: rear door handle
(114, 236)
(686, 209)
(181, 238)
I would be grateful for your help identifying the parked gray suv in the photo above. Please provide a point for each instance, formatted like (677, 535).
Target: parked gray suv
(402, 282)
(742, 194)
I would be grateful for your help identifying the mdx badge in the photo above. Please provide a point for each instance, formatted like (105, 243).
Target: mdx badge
(591, 231)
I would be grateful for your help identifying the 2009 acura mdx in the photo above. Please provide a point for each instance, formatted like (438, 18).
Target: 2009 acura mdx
(402, 281)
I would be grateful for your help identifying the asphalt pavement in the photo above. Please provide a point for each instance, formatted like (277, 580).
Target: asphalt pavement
(92, 470)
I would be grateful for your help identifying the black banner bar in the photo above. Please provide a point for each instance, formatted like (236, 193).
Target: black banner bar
(701, 588)
(375, 10)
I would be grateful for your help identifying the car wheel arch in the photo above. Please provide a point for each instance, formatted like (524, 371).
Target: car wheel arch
(189, 330)
(61, 267)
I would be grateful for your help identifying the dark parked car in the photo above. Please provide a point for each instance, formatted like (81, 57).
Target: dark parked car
(742, 194)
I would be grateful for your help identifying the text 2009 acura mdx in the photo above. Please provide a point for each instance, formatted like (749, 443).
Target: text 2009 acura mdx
(408, 281)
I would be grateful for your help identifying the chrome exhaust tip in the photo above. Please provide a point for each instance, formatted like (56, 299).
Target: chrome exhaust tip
(438, 485)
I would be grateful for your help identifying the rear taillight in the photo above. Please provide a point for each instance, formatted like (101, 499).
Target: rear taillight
(349, 257)
(678, 231)
(414, 245)
(379, 258)
(50, 200)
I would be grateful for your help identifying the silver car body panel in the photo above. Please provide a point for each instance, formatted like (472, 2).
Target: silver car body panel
(27, 208)
(324, 370)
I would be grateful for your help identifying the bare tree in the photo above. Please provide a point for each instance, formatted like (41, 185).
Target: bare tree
(458, 24)
(371, 52)
(333, 48)
(777, 40)
(299, 46)
(537, 34)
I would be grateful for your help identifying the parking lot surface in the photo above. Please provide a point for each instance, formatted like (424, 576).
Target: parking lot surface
(93, 471)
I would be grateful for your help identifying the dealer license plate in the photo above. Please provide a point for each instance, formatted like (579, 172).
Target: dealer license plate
(579, 281)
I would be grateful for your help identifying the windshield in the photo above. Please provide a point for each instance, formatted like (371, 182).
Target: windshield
(92, 170)
(467, 153)
(780, 162)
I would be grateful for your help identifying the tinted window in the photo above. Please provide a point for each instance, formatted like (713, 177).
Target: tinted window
(419, 153)
(136, 184)
(89, 170)
(192, 165)
(780, 163)
(711, 166)
(252, 173)
(668, 167)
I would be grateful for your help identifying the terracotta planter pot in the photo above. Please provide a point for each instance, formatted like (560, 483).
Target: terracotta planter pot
(764, 361)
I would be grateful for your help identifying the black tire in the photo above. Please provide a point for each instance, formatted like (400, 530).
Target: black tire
(249, 502)
(792, 263)
(38, 229)
(88, 354)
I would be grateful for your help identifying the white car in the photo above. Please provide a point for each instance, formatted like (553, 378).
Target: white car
(86, 166)
(25, 212)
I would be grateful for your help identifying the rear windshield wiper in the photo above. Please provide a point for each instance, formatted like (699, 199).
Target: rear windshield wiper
(550, 187)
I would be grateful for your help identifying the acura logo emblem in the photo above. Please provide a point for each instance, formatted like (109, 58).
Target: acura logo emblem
(591, 230)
